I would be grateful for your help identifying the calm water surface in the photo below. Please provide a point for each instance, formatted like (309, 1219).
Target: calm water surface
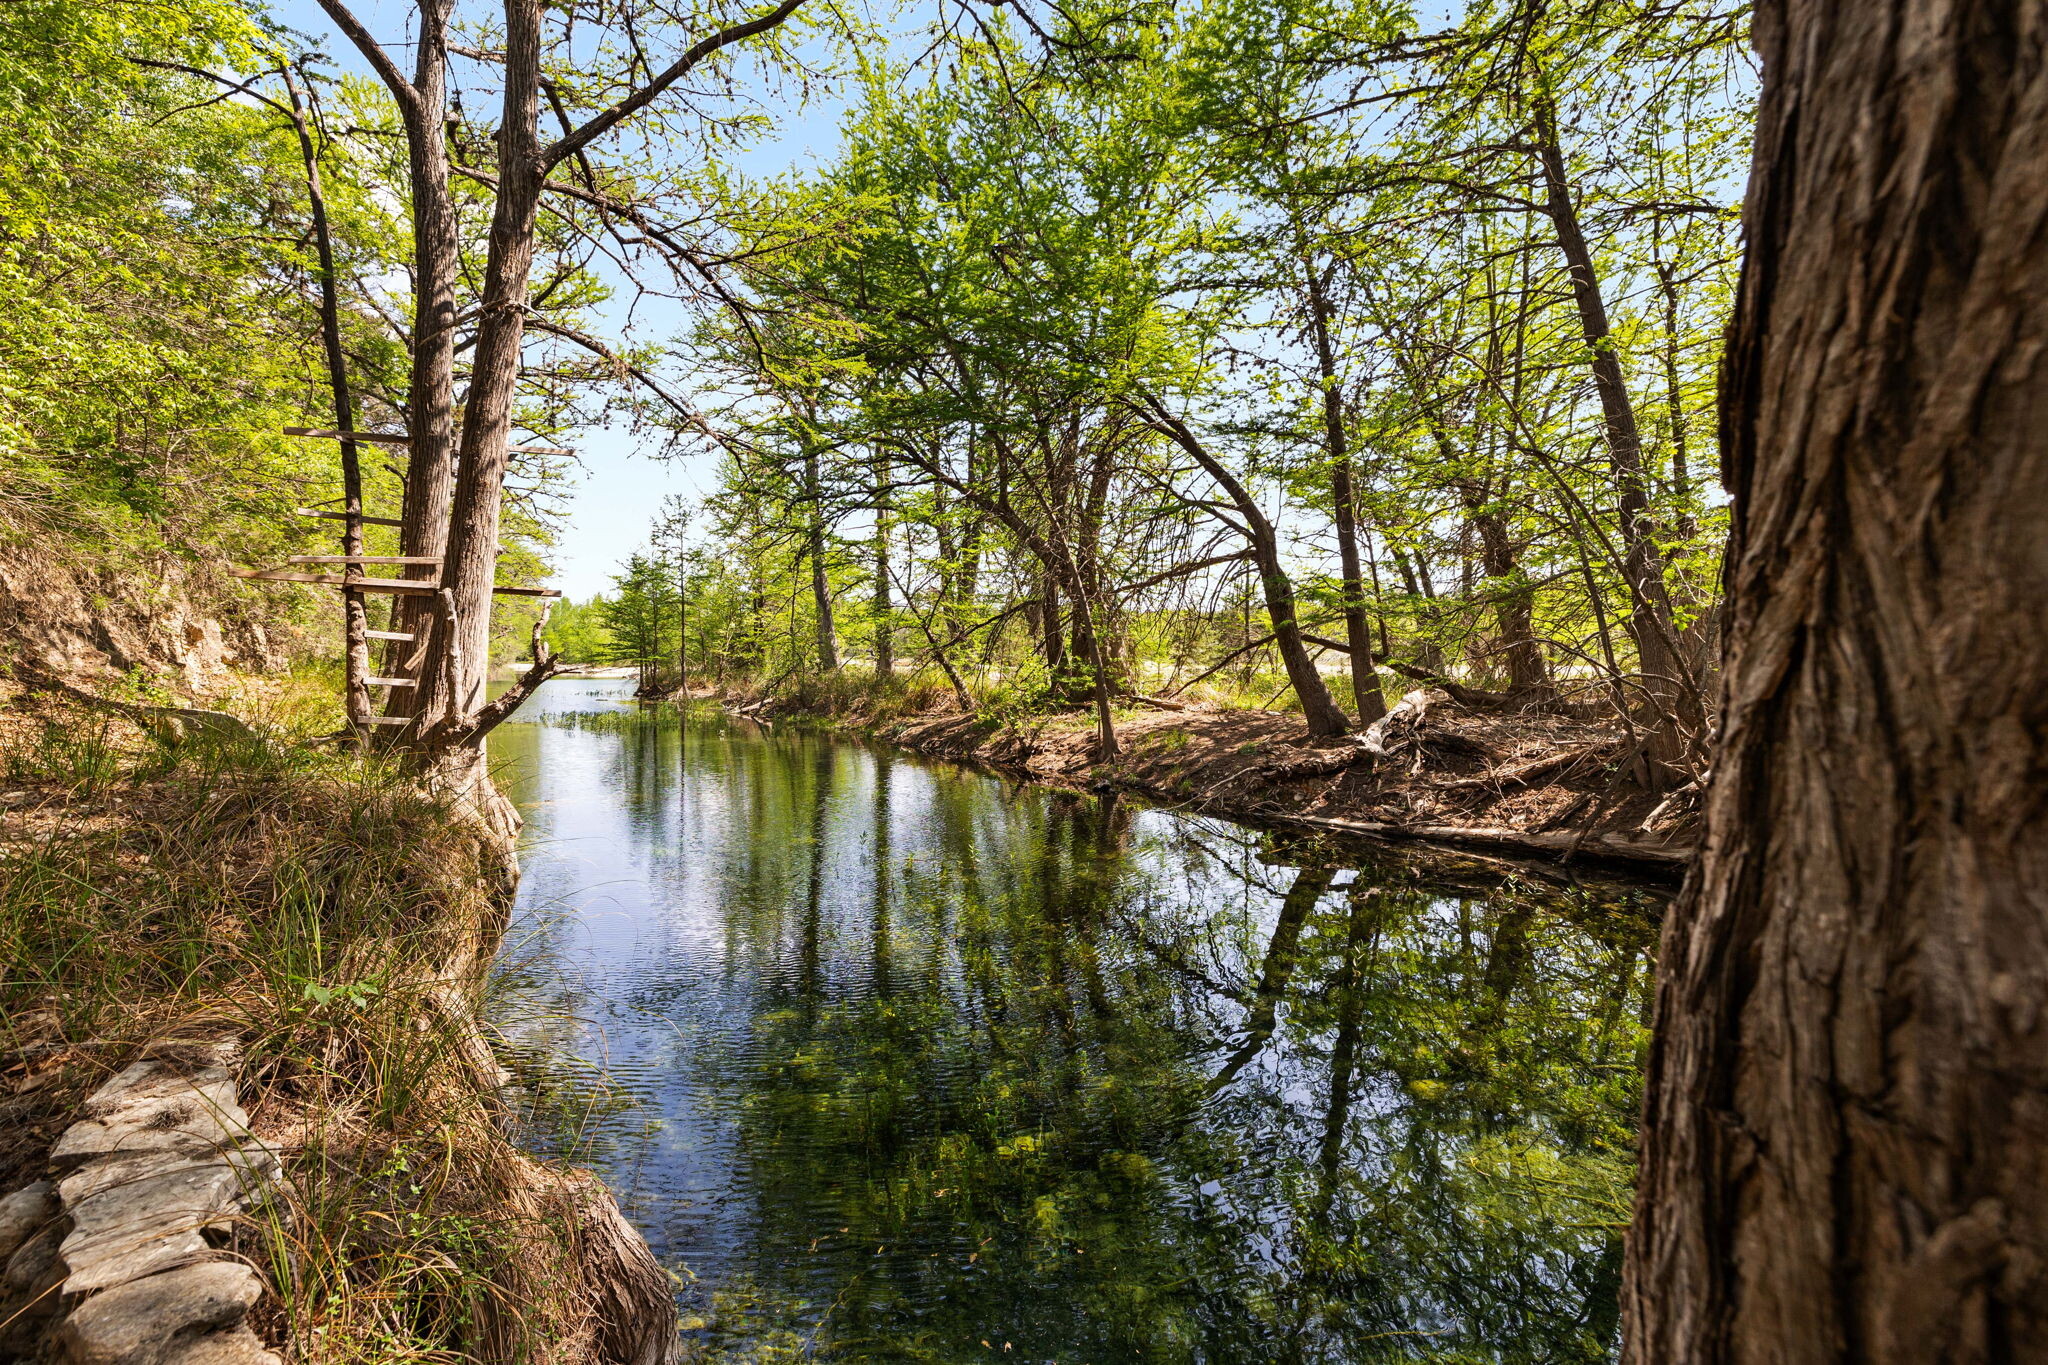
(902, 1062)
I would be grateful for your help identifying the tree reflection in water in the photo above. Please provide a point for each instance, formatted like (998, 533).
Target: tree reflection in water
(940, 1061)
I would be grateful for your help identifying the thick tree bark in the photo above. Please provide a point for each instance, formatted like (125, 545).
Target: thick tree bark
(1844, 1155)
(430, 400)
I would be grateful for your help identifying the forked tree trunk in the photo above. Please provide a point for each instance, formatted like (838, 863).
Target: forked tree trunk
(430, 401)
(1846, 1146)
(456, 689)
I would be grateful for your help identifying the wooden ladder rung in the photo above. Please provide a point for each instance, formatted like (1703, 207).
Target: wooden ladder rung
(343, 516)
(385, 438)
(391, 720)
(391, 682)
(398, 585)
(390, 635)
(363, 559)
(421, 586)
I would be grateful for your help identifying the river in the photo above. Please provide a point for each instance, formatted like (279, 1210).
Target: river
(899, 1061)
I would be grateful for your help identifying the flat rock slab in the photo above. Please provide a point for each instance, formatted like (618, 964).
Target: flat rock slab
(136, 1228)
(237, 1346)
(255, 1161)
(212, 1086)
(174, 1316)
(190, 1123)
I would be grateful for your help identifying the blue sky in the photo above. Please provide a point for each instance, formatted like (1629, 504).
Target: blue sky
(617, 489)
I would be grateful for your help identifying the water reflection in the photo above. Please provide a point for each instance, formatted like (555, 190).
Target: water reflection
(927, 1067)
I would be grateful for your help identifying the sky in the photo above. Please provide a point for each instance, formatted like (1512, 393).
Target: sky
(616, 488)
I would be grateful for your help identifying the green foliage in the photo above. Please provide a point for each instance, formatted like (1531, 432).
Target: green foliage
(1242, 218)
(577, 630)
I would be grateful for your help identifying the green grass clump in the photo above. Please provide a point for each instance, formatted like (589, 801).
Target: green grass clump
(319, 907)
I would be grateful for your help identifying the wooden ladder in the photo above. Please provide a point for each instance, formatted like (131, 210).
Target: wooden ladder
(350, 579)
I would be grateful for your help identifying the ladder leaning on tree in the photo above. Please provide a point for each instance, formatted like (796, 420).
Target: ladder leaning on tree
(351, 581)
(353, 584)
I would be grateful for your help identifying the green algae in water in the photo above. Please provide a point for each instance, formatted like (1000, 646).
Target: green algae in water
(925, 1066)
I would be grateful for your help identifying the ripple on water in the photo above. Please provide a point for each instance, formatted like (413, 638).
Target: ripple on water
(890, 1060)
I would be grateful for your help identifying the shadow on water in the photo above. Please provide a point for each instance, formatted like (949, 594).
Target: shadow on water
(910, 1064)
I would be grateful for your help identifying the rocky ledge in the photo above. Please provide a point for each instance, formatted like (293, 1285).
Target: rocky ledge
(111, 1259)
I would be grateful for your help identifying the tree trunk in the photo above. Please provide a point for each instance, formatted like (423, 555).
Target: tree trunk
(1843, 1143)
(821, 583)
(355, 622)
(1678, 719)
(430, 400)
(469, 570)
(885, 646)
(1514, 606)
(1365, 681)
(1324, 717)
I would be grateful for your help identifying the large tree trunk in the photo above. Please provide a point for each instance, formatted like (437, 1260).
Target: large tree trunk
(456, 689)
(430, 398)
(430, 462)
(1844, 1155)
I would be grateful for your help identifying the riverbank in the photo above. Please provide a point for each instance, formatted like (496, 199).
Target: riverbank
(329, 928)
(1541, 784)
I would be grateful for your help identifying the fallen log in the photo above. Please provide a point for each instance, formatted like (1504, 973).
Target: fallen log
(1613, 846)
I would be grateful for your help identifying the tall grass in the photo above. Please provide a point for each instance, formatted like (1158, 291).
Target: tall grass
(337, 921)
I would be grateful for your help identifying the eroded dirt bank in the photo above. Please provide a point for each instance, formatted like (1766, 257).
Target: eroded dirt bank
(1536, 783)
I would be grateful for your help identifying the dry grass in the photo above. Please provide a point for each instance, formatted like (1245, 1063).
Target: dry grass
(339, 922)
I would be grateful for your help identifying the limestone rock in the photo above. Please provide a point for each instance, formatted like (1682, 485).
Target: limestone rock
(256, 1162)
(150, 1224)
(34, 1264)
(24, 1213)
(164, 1318)
(191, 1123)
(212, 1086)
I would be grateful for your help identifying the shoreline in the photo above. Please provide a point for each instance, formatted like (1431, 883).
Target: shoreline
(1437, 773)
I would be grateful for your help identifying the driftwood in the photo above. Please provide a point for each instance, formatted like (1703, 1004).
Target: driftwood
(1613, 846)
(1533, 770)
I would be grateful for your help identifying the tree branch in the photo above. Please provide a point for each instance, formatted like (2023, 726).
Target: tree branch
(648, 93)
